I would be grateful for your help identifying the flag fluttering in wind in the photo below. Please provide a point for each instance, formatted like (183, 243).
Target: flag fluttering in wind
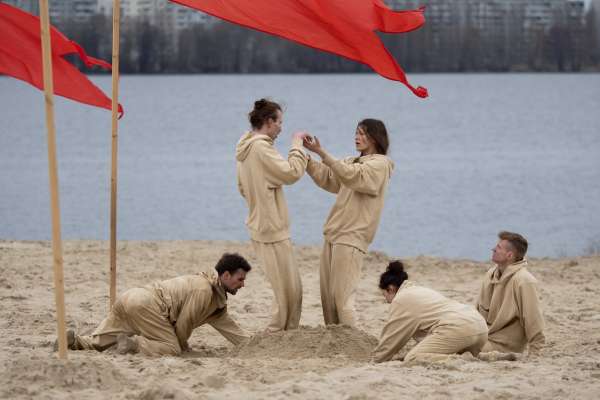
(21, 58)
(343, 27)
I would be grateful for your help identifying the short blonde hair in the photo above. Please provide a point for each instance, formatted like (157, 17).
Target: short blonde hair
(517, 241)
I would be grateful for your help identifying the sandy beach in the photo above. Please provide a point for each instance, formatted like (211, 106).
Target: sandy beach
(310, 363)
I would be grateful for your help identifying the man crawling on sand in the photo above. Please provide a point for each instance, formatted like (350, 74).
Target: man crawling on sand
(158, 319)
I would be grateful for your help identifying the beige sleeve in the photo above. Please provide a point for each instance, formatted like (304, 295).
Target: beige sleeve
(531, 315)
(229, 328)
(367, 177)
(239, 181)
(479, 305)
(322, 175)
(193, 314)
(401, 326)
(280, 171)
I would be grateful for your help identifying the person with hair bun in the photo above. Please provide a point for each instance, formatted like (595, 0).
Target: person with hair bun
(360, 184)
(261, 174)
(440, 325)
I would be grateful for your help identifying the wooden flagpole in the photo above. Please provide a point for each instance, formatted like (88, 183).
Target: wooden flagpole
(59, 291)
(115, 136)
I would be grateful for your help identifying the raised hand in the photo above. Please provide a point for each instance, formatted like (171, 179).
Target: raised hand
(300, 135)
(312, 143)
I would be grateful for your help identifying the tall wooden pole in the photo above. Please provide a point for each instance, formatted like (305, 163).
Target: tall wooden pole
(59, 291)
(115, 136)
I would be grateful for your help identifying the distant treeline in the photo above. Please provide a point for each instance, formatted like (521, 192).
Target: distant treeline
(225, 48)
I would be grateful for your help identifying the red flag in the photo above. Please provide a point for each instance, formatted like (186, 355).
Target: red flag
(21, 58)
(343, 27)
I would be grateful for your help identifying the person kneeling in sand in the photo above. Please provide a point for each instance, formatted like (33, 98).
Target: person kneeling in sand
(158, 319)
(508, 299)
(441, 326)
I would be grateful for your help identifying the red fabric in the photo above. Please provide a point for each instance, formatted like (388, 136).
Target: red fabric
(21, 58)
(343, 27)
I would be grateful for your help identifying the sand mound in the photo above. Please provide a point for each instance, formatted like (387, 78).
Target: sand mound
(46, 373)
(163, 392)
(309, 342)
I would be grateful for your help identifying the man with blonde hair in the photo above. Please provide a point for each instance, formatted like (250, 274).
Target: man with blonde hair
(508, 299)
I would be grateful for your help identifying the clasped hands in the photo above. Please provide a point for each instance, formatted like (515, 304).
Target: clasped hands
(310, 142)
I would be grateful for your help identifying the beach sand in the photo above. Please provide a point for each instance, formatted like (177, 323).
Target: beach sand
(310, 363)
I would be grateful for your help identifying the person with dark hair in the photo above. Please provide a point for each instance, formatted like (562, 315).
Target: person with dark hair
(508, 299)
(441, 326)
(158, 319)
(360, 184)
(261, 174)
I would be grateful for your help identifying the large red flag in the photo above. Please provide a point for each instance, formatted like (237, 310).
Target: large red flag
(343, 27)
(21, 58)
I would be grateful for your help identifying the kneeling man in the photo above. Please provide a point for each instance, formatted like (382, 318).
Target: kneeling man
(158, 319)
(508, 300)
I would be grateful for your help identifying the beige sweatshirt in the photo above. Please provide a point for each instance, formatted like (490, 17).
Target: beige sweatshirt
(360, 184)
(418, 311)
(510, 306)
(261, 173)
(194, 300)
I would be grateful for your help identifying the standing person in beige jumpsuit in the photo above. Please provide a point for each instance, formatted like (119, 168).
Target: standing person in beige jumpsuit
(508, 299)
(440, 325)
(158, 319)
(261, 174)
(360, 184)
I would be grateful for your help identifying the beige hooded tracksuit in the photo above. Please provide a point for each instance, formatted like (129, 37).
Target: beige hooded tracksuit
(162, 316)
(445, 326)
(261, 173)
(509, 303)
(360, 184)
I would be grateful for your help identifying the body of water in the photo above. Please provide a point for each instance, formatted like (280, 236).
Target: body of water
(486, 152)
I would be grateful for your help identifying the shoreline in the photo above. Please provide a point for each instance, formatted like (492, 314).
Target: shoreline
(123, 244)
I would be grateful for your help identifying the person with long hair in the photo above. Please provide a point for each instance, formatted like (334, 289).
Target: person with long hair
(360, 184)
(261, 174)
(440, 325)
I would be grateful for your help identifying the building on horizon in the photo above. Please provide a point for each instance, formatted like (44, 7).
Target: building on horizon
(512, 30)
(158, 12)
(30, 6)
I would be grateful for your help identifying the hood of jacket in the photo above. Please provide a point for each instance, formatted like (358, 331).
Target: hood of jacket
(405, 285)
(388, 161)
(508, 272)
(217, 287)
(245, 143)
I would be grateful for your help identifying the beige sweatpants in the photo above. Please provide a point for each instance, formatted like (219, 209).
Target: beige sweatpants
(340, 275)
(137, 312)
(438, 345)
(283, 275)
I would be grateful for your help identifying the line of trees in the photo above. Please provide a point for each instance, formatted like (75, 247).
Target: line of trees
(226, 48)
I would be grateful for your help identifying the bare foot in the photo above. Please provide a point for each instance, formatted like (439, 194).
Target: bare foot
(126, 344)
